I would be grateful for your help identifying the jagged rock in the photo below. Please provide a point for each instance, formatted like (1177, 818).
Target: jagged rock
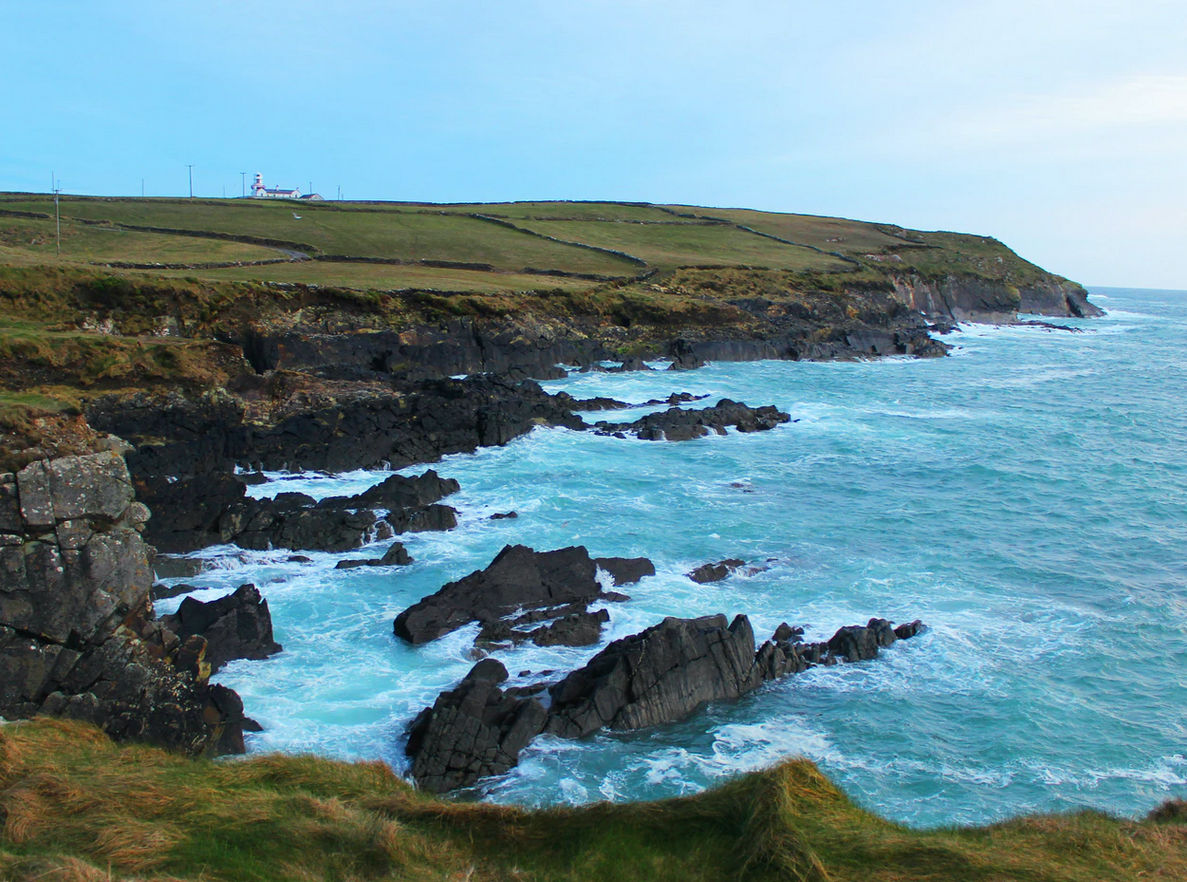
(575, 629)
(77, 637)
(682, 424)
(785, 633)
(908, 630)
(164, 592)
(715, 572)
(398, 492)
(420, 520)
(857, 643)
(684, 356)
(471, 731)
(504, 515)
(340, 523)
(396, 555)
(235, 626)
(657, 676)
(518, 578)
(188, 449)
(626, 570)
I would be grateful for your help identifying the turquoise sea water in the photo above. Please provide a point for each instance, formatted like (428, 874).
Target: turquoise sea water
(1026, 497)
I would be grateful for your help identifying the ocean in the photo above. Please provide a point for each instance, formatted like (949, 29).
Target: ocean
(1025, 497)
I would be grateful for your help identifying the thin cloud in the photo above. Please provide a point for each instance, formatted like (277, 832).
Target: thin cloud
(1148, 102)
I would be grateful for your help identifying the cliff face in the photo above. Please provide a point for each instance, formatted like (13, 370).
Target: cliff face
(969, 299)
(77, 635)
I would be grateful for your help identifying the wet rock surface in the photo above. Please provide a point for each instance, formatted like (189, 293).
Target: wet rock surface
(660, 675)
(340, 523)
(683, 424)
(396, 556)
(235, 626)
(77, 634)
(626, 570)
(518, 579)
(472, 731)
(715, 572)
(187, 449)
(657, 676)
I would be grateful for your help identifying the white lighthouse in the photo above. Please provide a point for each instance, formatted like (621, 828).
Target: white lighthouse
(259, 191)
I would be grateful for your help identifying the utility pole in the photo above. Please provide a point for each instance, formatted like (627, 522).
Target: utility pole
(58, 218)
(243, 184)
(191, 168)
(339, 192)
(142, 188)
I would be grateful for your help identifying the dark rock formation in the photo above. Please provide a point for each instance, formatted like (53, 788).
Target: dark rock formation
(464, 346)
(571, 625)
(77, 635)
(235, 626)
(684, 356)
(576, 629)
(396, 556)
(183, 466)
(626, 570)
(657, 676)
(340, 523)
(472, 731)
(682, 424)
(715, 572)
(518, 578)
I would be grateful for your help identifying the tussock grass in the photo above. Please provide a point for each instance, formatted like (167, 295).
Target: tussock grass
(75, 807)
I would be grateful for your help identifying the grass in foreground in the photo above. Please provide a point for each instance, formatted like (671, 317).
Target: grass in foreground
(73, 806)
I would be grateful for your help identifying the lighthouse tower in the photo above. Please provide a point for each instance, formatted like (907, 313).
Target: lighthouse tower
(257, 189)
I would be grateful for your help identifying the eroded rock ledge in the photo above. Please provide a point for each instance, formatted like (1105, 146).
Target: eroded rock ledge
(657, 676)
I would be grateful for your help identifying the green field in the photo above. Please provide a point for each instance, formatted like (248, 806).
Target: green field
(485, 247)
(34, 240)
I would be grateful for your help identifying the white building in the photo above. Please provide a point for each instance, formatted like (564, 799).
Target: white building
(259, 191)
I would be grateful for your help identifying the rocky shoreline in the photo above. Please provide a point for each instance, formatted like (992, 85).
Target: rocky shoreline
(78, 634)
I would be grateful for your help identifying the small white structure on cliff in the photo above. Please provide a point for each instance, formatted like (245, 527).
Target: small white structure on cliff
(259, 191)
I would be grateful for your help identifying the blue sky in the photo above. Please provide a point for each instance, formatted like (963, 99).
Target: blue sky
(1059, 127)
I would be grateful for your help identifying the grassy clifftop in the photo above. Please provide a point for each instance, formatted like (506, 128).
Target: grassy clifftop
(73, 806)
(488, 247)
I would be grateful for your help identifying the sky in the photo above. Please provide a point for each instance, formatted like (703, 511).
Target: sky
(1058, 127)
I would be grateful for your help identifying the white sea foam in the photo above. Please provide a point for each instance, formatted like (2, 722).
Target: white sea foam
(1020, 499)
